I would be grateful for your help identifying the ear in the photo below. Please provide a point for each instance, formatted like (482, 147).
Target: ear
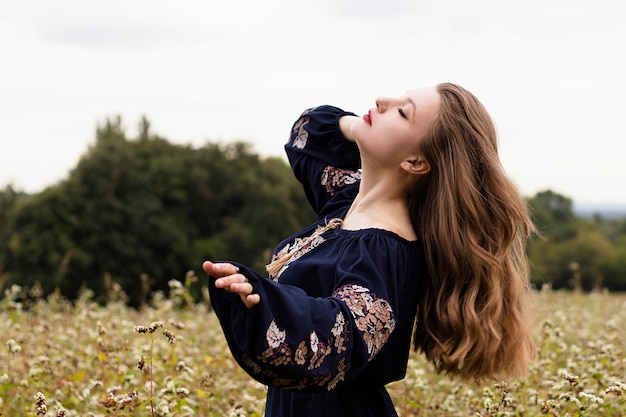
(416, 165)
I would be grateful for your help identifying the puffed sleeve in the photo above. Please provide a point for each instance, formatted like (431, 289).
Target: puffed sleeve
(296, 342)
(322, 159)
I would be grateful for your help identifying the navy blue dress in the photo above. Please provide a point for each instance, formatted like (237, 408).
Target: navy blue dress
(335, 321)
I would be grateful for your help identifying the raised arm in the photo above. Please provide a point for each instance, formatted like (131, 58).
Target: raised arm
(322, 153)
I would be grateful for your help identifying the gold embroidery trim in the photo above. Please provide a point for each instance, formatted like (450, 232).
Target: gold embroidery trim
(280, 260)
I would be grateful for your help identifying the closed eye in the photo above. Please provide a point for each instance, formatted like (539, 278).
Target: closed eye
(402, 113)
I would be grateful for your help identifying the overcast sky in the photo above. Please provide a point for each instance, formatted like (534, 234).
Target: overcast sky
(551, 73)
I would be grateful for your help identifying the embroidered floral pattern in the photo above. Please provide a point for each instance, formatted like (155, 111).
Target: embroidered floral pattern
(328, 380)
(310, 353)
(274, 335)
(334, 179)
(300, 246)
(300, 134)
(373, 316)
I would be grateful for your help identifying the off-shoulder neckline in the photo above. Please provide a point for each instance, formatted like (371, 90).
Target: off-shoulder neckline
(377, 231)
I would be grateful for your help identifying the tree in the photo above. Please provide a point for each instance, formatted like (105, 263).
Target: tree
(9, 199)
(572, 252)
(140, 207)
(615, 270)
(556, 221)
(585, 258)
(554, 215)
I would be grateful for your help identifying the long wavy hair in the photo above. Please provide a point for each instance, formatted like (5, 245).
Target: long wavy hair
(472, 315)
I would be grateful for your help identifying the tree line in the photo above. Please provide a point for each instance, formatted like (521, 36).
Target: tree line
(574, 252)
(141, 211)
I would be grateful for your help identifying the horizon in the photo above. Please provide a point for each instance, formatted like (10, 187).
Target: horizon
(582, 207)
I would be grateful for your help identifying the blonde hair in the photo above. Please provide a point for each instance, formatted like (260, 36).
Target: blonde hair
(472, 314)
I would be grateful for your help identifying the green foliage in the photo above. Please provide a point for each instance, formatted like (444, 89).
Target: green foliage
(150, 207)
(9, 200)
(615, 270)
(554, 215)
(573, 252)
(138, 212)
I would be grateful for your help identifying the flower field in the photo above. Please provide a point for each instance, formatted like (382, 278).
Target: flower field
(170, 359)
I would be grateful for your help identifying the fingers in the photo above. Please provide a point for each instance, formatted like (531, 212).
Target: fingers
(220, 269)
(228, 278)
(226, 275)
(238, 284)
(235, 283)
(251, 300)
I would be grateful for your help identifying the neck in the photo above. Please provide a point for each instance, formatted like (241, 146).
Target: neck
(382, 202)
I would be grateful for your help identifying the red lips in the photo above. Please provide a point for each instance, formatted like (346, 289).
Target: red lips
(367, 118)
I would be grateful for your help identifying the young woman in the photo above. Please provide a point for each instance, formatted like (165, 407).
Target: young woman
(420, 232)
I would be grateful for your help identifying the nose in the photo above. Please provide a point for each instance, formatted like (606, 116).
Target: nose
(383, 103)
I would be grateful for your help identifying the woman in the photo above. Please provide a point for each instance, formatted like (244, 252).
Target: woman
(428, 237)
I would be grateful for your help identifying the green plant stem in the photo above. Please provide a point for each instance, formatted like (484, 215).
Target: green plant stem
(151, 380)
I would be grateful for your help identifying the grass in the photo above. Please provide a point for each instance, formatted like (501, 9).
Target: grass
(170, 359)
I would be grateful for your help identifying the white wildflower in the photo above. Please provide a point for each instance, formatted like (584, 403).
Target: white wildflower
(591, 398)
(13, 346)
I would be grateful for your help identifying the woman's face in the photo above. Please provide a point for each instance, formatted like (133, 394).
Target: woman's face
(392, 131)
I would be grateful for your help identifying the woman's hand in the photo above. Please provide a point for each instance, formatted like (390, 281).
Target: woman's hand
(345, 125)
(228, 278)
